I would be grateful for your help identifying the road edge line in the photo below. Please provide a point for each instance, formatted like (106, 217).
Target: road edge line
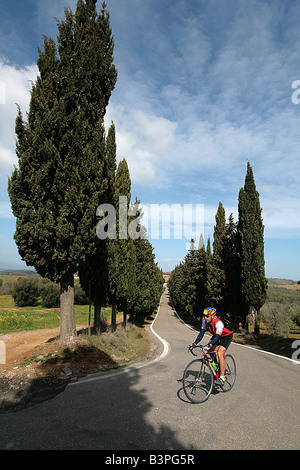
(127, 368)
(164, 342)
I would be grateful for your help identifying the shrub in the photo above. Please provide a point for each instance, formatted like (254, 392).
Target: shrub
(295, 314)
(276, 317)
(7, 287)
(26, 292)
(50, 294)
(80, 297)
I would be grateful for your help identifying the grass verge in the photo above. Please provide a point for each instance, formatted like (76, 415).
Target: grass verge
(124, 345)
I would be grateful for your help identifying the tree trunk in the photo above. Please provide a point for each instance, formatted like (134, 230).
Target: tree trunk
(113, 317)
(97, 318)
(256, 323)
(68, 331)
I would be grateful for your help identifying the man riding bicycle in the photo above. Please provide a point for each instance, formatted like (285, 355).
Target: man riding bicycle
(222, 337)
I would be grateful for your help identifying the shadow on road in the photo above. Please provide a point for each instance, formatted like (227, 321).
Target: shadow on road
(121, 412)
(19, 392)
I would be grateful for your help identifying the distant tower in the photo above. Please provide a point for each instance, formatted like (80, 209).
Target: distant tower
(201, 242)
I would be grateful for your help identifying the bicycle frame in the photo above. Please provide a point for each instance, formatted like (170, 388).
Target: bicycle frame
(208, 360)
(198, 381)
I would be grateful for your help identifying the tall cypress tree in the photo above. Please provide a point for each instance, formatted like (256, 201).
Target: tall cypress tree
(93, 272)
(215, 265)
(201, 278)
(57, 186)
(110, 167)
(208, 249)
(187, 282)
(231, 299)
(178, 287)
(119, 248)
(149, 280)
(191, 274)
(251, 248)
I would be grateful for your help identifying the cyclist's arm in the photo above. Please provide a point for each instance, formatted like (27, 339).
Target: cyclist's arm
(201, 334)
(214, 340)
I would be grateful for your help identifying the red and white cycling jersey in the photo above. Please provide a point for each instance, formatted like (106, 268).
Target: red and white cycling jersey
(216, 327)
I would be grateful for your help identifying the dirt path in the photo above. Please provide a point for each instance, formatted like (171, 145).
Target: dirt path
(35, 368)
(18, 345)
(26, 343)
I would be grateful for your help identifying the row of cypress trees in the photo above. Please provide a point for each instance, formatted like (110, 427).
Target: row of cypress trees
(66, 169)
(231, 275)
(121, 271)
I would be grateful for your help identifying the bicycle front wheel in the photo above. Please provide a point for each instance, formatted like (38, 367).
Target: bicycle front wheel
(198, 381)
(230, 373)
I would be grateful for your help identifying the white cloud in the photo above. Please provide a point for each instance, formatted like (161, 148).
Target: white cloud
(5, 211)
(17, 84)
(144, 140)
(7, 161)
(281, 215)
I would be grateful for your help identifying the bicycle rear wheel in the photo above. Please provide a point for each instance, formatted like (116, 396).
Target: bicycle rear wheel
(230, 373)
(197, 381)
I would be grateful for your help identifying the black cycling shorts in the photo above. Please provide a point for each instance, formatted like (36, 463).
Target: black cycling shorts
(225, 341)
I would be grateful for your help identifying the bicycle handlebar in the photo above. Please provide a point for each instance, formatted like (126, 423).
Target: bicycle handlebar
(201, 347)
(191, 349)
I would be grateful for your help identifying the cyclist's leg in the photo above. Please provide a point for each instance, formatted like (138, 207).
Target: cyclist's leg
(224, 345)
(221, 355)
(212, 353)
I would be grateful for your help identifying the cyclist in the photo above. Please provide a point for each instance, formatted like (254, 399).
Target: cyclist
(222, 337)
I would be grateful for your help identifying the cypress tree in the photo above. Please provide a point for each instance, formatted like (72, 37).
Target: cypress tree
(119, 248)
(110, 164)
(251, 249)
(187, 283)
(93, 272)
(215, 265)
(191, 275)
(231, 299)
(149, 280)
(201, 279)
(178, 287)
(219, 235)
(208, 249)
(57, 186)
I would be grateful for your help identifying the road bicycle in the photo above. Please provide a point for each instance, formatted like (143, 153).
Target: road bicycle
(200, 375)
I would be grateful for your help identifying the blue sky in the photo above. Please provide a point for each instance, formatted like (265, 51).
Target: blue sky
(203, 86)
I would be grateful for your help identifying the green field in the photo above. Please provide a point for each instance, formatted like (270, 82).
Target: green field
(13, 319)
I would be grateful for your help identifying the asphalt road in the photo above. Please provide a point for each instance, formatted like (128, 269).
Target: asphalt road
(143, 406)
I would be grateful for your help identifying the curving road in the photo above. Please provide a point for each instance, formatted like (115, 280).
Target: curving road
(144, 407)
